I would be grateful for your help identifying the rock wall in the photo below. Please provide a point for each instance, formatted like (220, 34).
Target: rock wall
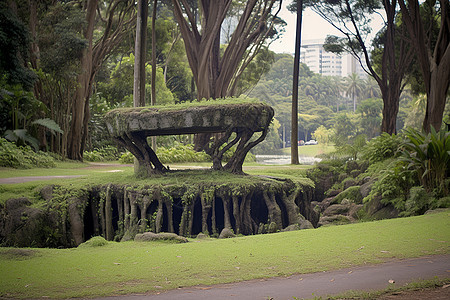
(67, 218)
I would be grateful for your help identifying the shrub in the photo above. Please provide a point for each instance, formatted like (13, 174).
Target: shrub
(417, 203)
(381, 148)
(393, 185)
(428, 156)
(126, 158)
(96, 241)
(352, 193)
(106, 153)
(24, 157)
(181, 153)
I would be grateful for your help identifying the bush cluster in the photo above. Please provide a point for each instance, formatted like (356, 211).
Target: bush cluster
(407, 172)
(106, 153)
(24, 157)
(180, 153)
(183, 153)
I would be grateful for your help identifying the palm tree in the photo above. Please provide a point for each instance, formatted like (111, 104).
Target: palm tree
(371, 88)
(353, 87)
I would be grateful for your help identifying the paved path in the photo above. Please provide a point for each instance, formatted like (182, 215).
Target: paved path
(11, 180)
(373, 277)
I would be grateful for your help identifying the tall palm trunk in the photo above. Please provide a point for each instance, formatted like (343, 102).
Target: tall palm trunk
(294, 113)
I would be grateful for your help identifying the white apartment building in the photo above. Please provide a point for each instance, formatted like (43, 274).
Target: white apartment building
(326, 63)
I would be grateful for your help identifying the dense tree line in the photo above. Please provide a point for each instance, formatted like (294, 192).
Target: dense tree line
(65, 63)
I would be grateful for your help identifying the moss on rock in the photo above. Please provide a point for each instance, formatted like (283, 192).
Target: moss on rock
(117, 212)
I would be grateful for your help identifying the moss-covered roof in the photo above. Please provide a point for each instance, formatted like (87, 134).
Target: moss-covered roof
(182, 119)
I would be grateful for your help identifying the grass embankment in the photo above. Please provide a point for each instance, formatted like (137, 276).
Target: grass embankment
(99, 174)
(131, 267)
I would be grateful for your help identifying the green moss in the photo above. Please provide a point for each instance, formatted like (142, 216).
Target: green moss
(96, 241)
(185, 105)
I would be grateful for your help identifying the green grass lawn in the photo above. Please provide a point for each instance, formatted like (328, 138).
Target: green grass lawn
(62, 168)
(131, 267)
(310, 150)
(98, 174)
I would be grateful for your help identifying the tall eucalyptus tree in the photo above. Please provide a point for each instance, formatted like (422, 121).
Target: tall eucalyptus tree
(215, 74)
(115, 18)
(433, 55)
(352, 19)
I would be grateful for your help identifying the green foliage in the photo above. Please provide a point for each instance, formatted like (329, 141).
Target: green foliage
(109, 270)
(370, 110)
(14, 46)
(272, 143)
(259, 66)
(126, 158)
(49, 124)
(96, 241)
(106, 153)
(61, 40)
(17, 106)
(343, 127)
(22, 137)
(352, 148)
(381, 148)
(417, 202)
(13, 156)
(322, 135)
(428, 156)
(181, 153)
(176, 154)
(352, 193)
(117, 91)
(392, 184)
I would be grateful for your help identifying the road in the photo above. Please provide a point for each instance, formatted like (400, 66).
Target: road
(366, 278)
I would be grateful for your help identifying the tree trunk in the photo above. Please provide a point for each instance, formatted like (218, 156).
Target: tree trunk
(437, 96)
(294, 111)
(391, 99)
(140, 51)
(153, 100)
(212, 72)
(117, 25)
(434, 63)
(83, 89)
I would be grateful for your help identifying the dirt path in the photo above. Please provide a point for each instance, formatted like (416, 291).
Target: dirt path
(305, 286)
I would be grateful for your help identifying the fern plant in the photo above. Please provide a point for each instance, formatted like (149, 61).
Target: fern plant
(428, 155)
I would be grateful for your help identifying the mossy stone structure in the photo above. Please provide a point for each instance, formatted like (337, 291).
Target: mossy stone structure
(131, 127)
(66, 216)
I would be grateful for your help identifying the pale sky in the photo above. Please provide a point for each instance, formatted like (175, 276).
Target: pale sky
(313, 27)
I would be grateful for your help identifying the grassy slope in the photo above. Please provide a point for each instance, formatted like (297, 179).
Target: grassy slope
(108, 174)
(131, 267)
